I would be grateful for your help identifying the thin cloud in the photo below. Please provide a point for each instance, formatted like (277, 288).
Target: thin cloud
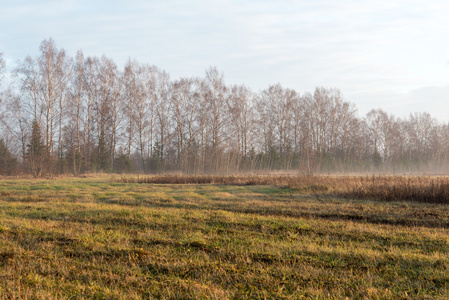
(403, 104)
(368, 49)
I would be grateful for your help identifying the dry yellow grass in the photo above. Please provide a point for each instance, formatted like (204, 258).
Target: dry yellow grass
(91, 238)
(428, 189)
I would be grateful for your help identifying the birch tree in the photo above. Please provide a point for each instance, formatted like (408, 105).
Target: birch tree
(242, 116)
(75, 127)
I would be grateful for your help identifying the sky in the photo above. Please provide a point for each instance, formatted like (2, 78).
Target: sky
(384, 54)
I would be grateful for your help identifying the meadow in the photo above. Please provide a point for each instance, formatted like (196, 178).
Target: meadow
(228, 237)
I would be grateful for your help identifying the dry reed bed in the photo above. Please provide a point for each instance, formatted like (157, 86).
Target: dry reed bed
(426, 189)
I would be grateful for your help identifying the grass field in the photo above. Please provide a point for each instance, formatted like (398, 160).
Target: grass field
(102, 238)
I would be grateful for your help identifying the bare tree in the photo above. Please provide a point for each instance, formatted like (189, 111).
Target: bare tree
(44, 80)
(383, 131)
(242, 115)
(284, 125)
(16, 122)
(265, 122)
(75, 114)
(112, 89)
(132, 93)
(12, 117)
(104, 90)
(142, 95)
(215, 94)
(185, 115)
(29, 83)
(163, 103)
(181, 96)
(54, 71)
(146, 110)
(91, 84)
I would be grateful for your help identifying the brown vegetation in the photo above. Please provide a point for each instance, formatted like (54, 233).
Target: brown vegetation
(426, 189)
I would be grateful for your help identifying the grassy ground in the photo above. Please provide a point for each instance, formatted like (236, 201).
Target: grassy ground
(97, 238)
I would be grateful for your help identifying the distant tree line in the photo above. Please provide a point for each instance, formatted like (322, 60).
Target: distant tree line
(82, 114)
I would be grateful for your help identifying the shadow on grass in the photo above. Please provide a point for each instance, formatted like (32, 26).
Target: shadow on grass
(429, 221)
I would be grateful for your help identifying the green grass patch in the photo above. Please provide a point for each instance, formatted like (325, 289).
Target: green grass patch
(89, 238)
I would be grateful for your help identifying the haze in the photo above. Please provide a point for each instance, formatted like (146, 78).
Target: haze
(392, 55)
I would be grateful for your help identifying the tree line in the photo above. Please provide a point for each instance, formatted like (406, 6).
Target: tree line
(63, 114)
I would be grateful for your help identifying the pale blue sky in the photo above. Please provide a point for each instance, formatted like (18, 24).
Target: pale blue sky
(388, 54)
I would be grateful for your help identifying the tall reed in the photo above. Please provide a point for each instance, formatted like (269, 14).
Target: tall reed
(426, 189)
